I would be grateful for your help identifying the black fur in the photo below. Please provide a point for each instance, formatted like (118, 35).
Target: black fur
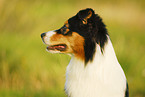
(94, 31)
(127, 90)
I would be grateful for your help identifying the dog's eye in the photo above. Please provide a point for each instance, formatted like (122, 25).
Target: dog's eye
(64, 30)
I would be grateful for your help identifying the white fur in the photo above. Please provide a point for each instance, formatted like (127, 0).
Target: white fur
(47, 37)
(103, 77)
(46, 40)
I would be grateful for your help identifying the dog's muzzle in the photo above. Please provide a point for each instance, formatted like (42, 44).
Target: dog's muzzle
(42, 35)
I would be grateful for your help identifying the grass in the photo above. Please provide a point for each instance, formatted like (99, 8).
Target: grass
(25, 93)
(27, 70)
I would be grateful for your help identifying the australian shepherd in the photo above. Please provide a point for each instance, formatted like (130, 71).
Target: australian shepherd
(94, 70)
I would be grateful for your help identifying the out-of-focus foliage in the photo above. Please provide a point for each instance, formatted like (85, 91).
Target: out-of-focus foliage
(27, 70)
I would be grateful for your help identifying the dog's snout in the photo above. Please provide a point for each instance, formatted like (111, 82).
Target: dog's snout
(43, 34)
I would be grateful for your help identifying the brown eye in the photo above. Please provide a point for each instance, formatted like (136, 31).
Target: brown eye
(64, 30)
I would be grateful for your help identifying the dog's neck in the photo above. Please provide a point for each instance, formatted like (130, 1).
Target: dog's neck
(108, 56)
(91, 79)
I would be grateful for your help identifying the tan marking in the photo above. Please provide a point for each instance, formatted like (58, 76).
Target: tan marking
(75, 43)
(84, 22)
(66, 24)
(86, 18)
(67, 30)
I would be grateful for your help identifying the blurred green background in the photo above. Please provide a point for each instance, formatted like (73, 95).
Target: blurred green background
(27, 70)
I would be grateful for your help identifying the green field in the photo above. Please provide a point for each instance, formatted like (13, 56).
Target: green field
(27, 70)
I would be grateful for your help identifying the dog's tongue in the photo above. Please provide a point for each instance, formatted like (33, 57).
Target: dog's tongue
(57, 47)
(60, 46)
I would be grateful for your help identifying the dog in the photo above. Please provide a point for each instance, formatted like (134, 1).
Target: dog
(94, 70)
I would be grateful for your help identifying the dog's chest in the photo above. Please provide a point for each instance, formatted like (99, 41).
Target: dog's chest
(92, 81)
(80, 82)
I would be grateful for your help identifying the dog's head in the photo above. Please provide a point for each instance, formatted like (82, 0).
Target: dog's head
(78, 35)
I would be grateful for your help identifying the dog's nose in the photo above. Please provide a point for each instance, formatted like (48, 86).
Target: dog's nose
(43, 34)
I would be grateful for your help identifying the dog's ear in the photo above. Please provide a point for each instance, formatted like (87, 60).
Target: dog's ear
(86, 14)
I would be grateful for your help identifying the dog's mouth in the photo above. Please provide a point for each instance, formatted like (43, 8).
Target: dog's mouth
(59, 47)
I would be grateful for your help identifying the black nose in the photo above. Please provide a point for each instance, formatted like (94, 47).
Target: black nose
(43, 34)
